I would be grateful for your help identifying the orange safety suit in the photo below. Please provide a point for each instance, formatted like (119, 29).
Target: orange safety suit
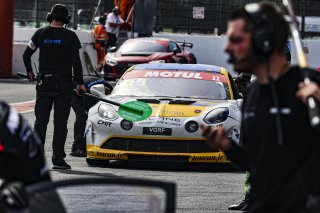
(100, 40)
(125, 7)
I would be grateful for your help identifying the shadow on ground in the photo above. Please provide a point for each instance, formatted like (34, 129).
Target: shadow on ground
(169, 166)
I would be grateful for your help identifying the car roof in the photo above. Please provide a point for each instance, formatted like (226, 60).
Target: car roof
(173, 66)
(149, 38)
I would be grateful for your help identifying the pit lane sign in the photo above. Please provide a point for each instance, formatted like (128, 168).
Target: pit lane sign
(198, 12)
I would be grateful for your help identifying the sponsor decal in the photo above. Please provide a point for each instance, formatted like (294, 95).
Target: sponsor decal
(156, 131)
(216, 158)
(162, 120)
(284, 110)
(90, 153)
(119, 156)
(167, 112)
(98, 81)
(106, 123)
(207, 76)
(197, 111)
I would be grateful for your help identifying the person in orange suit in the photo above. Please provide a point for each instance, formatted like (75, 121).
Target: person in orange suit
(125, 7)
(100, 41)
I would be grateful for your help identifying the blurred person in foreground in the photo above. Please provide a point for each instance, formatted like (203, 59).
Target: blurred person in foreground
(243, 81)
(22, 162)
(277, 146)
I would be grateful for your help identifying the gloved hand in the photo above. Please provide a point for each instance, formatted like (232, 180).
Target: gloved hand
(14, 196)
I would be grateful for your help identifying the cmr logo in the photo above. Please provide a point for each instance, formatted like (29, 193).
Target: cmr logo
(51, 41)
(106, 123)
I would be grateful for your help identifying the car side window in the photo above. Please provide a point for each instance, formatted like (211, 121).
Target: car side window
(235, 90)
(173, 46)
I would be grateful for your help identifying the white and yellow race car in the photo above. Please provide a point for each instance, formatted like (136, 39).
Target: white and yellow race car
(182, 97)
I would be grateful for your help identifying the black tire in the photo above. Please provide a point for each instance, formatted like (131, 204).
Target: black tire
(96, 162)
(194, 60)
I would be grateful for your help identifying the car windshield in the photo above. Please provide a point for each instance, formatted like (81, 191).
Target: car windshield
(144, 46)
(172, 87)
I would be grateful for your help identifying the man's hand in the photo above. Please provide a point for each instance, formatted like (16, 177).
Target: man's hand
(80, 89)
(31, 76)
(307, 90)
(216, 137)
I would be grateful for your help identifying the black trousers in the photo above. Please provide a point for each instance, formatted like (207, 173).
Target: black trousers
(55, 93)
(112, 41)
(79, 109)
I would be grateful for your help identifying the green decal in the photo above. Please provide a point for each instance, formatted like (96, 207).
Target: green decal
(135, 111)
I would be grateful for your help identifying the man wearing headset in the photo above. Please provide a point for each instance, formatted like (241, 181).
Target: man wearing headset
(59, 55)
(242, 82)
(277, 146)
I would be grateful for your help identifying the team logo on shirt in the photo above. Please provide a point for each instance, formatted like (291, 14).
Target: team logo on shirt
(52, 41)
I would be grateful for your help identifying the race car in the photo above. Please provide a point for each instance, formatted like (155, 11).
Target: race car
(182, 97)
(144, 50)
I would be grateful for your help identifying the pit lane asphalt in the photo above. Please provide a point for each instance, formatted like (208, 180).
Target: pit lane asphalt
(200, 188)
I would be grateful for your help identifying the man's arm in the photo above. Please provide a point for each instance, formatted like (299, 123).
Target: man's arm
(28, 52)
(77, 66)
(31, 48)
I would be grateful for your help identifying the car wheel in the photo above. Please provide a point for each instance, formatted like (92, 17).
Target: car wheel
(96, 162)
(194, 61)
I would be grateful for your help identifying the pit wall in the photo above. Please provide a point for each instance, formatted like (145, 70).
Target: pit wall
(208, 49)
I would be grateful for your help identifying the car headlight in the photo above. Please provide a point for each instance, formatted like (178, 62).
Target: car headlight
(111, 62)
(107, 111)
(157, 61)
(217, 115)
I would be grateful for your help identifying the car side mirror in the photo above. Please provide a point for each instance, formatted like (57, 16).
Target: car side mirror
(98, 90)
(176, 50)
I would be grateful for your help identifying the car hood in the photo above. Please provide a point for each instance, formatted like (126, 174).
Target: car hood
(174, 107)
(138, 57)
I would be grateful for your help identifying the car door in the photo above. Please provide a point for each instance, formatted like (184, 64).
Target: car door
(99, 194)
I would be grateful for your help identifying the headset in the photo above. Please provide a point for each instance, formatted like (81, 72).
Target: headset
(59, 12)
(263, 42)
(261, 32)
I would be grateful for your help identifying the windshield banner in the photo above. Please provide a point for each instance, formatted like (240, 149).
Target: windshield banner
(176, 74)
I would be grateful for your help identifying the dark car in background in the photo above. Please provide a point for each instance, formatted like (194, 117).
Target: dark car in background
(144, 50)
